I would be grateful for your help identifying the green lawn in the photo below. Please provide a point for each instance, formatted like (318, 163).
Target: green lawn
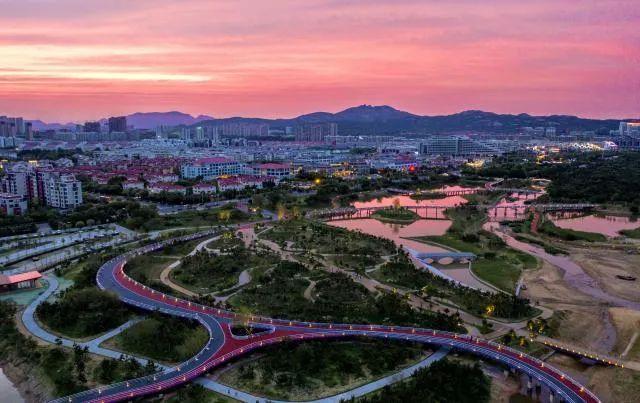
(500, 267)
(631, 233)
(147, 268)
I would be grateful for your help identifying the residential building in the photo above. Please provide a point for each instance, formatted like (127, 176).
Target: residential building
(210, 168)
(92, 127)
(13, 204)
(133, 184)
(19, 181)
(167, 187)
(62, 191)
(240, 182)
(272, 169)
(203, 188)
(117, 124)
(315, 132)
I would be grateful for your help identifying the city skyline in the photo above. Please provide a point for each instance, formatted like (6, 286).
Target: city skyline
(74, 61)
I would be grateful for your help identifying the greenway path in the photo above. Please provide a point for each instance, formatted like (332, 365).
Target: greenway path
(224, 346)
(94, 346)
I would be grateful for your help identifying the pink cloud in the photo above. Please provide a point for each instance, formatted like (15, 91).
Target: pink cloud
(73, 59)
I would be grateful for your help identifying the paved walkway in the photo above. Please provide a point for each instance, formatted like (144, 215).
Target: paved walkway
(357, 392)
(93, 346)
(30, 323)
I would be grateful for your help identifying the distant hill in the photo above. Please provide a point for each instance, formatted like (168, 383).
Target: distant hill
(39, 125)
(139, 120)
(367, 119)
(151, 120)
(382, 120)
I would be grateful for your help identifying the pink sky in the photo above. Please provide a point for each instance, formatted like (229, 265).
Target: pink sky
(63, 60)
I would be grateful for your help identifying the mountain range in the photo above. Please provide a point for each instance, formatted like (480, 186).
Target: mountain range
(139, 120)
(368, 119)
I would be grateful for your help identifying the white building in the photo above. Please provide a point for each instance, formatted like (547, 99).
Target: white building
(210, 168)
(62, 191)
(12, 204)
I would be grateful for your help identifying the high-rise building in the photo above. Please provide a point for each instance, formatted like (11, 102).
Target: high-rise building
(18, 181)
(11, 127)
(117, 124)
(240, 129)
(629, 129)
(94, 127)
(28, 130)
(315, 132)
(62, 191)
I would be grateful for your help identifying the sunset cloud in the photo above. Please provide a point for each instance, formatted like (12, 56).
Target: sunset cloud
(74, 60)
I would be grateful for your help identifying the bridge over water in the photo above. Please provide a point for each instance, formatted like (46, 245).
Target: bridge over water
(462, 257)
(437, 212)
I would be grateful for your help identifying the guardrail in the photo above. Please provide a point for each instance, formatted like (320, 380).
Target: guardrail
(308, 330)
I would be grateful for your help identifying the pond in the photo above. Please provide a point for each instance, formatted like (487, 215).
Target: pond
(397, 232)
(606, 225)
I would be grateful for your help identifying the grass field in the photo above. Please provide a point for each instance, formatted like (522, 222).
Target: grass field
(500, 267)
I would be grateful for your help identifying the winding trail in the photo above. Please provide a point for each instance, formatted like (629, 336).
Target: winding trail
(93, 346)
(223, 346)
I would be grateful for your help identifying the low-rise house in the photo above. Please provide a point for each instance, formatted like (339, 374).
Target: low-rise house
(19, 281)
(160, 187)
(240, 182)
(133, 184)
(203, 188)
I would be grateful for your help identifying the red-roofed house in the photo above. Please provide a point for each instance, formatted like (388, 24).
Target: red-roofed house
(19, 281)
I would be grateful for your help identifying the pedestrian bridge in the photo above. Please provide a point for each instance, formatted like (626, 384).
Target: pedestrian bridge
(462, 257)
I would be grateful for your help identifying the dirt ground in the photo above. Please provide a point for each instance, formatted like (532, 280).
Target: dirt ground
(503, 388)
(611, 385)
(604, 264)
(627, 323)
(585, 323)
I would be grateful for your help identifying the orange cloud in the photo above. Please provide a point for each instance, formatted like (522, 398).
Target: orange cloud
(77, 59)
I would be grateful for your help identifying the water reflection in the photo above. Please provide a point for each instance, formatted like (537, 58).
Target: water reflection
(8, 392)
(407, 201)
(603, 224)
(397, 232)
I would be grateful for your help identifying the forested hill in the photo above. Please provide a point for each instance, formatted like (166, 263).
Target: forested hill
(368, 119)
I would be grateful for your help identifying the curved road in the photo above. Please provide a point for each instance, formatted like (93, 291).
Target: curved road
(224, 346)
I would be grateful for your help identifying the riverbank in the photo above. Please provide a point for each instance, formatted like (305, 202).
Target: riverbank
(27, 382)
